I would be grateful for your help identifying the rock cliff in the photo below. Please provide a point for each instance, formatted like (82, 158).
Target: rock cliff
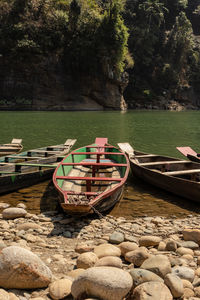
(47, 86)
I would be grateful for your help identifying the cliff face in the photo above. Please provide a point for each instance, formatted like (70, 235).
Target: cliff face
(46, 86)
(192, 16)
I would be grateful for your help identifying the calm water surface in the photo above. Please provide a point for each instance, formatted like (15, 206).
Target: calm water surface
(150, 131)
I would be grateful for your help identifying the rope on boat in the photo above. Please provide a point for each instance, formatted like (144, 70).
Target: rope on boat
(81, 199)
(113, 222)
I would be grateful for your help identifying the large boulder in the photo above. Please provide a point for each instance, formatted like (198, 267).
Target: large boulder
(137, 257)
(149, 240)
(106, 283)
(14, 297)
(4, 295)
(171, 245)
(109, 261)
(21, 269)
(13, 212)
(140, 276)
(190, 234)
(127, 247)
(60, 289)
(184, 273)
(82, 248)
(188, 244)
(86, 260)
(175, 285)
(116, 237)
(183, 250)
(107, 250)
(152, 291)
(28, 225)
(159, 264)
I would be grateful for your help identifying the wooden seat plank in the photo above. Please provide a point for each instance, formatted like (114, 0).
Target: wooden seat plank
(88, 178)
(97, 153)
(146, 155)
(183, 172)
(90, 146)
(42, 151)
(164, 162)
(36, 165)
(95, 164)
(21, 157)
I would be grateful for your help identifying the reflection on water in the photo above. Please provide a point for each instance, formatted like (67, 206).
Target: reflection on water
(142, 199)
(37, 198)
(139, 199)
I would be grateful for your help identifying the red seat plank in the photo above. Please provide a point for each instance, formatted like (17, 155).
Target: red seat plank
(98, 153)
(89, 178)
(112, 147)
(94, 164)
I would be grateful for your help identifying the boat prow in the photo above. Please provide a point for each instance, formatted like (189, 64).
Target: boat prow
(189, 153)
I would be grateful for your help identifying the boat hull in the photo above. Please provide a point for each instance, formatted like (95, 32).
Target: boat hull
(178, 186)
(193, 158)
(29, 175)
(103, 204)
(12, 183)
(95, 173)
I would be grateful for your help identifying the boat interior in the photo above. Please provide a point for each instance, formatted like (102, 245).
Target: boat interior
(169, 166)
(34, 160)
(85, 174)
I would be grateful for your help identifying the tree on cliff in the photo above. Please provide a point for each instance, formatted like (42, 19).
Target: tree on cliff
(178, 53)
(96, 40)
(146, 20)
(31, 28)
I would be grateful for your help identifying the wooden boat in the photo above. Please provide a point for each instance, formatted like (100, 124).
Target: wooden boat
(91, 178)
(189, 153)
(177, 176)
(14, 147)
(31, 167)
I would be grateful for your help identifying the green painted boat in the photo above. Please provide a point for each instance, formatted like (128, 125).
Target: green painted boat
(31, 167)
(91, 179)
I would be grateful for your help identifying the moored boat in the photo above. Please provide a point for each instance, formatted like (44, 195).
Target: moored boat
(91, 178)
(177, 176)
(14, 147)
(31, 167)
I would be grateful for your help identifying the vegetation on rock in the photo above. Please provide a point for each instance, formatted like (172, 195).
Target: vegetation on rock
(153, 40)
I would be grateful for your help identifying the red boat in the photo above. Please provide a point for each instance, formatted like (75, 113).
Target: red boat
(91, 178)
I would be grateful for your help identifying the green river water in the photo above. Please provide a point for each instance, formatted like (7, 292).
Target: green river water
(150, 131)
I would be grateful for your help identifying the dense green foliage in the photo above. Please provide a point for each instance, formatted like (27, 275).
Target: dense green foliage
(163, 47)
(87, 35)
(105, 37)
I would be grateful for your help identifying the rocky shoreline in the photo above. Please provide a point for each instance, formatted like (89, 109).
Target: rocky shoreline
(162, 104)
(53, 256)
